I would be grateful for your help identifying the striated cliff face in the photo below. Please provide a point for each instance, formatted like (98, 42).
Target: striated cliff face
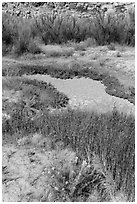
(83, 9)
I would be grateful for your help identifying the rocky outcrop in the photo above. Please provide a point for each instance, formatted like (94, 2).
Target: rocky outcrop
(84, 9)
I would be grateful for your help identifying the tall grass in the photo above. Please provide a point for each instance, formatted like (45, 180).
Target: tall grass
(105, 143)
(18, 34)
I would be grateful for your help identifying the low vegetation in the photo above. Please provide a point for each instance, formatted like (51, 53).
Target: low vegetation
(105, 149)
(30, 97)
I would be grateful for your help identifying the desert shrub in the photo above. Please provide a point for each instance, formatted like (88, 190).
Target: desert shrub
(103, 27)
(24, 37)
(59, 28)
(108, 26)
(18, 35)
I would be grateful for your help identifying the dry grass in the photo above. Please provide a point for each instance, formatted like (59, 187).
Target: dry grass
(57, 51)
(104, 155)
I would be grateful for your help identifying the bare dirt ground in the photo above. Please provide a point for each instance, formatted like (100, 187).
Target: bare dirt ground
(28, 166)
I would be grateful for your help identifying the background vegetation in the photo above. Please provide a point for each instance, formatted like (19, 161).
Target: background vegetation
(21, 35)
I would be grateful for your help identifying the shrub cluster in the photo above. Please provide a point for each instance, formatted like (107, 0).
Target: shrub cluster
(114, 26)
(105, 27)
(17, 35)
